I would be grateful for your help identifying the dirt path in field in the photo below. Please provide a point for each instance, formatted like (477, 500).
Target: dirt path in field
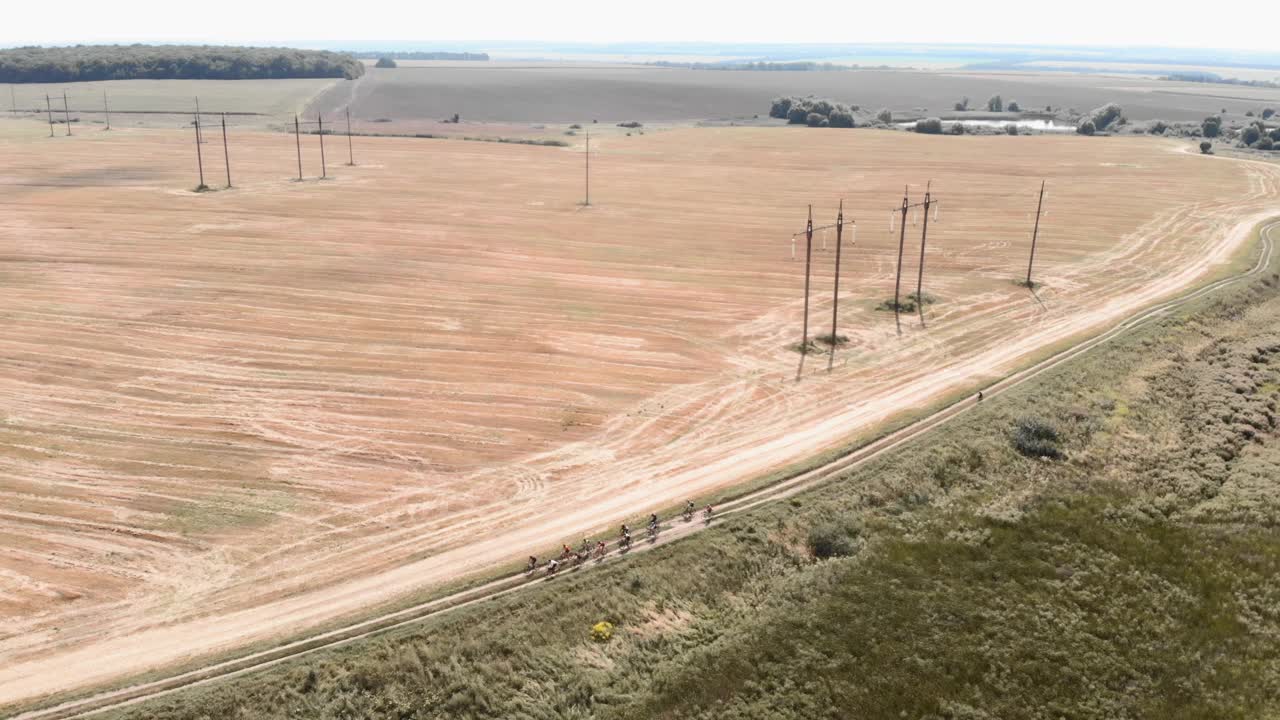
(720, 398)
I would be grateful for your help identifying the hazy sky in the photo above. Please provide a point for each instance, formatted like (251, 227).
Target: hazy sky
(1246, 24)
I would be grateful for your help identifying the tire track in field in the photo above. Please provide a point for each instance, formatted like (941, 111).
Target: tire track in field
(118, 699)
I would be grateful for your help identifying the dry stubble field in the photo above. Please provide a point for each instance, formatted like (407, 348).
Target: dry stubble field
(233, 415)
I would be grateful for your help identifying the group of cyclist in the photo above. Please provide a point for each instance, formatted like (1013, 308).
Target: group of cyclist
(586, 550)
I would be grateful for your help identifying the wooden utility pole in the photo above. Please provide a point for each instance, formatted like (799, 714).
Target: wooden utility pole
(351, 157)
(49, 107)
(808, 257)
(199, 136)
(1035, 233)
(587, 154)
(835, 293)
(13, 101)
(902, 239)
(924, 234)
(66, 111)
(106, 108)
(320, 125)
(297, 137)
(199, 155)
(226, 152)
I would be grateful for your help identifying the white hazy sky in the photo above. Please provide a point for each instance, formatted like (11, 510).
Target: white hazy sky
(1241, 24)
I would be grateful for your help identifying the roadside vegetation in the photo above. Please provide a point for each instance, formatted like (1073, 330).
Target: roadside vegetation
(170, 62)
(1098, 542)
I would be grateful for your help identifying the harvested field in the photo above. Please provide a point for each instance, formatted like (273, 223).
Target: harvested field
(230, 415)
(569, 93)
(169, 103)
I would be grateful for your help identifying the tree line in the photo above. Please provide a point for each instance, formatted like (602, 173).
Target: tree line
(171, 62)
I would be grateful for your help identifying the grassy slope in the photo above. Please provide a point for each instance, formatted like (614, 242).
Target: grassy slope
(1138, 578)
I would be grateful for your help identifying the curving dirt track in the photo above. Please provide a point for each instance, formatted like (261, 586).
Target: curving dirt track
(232, 416)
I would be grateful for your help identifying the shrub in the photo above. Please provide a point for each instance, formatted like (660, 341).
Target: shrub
(1266, 143)
(1267, 113)
(1105, 115)
(385, 62)
(1205, 147)
(1036, 438)
(885, 116)
(1248, 113)
(1086, 128)
(1211, 126)
(929, 126)
(830, 540)
(841, 118)
(780, 107)
(1250, 135)
(995, 104)
(1013, 106)
(828, 340)
(797, 114)
(822, 107)
(1275, 134)
(632, 124)
(575, 126)
(814, 119)
(602, 631)
(958, 129)
(963, 104)
(1011, 129)
(1157, 127)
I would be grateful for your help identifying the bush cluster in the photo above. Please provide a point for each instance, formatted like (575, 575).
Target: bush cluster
(1036, 438)
(385, 62)
(929, 126)
(1104, 116)
(833, 539)
(1258, 137)
(814, 112)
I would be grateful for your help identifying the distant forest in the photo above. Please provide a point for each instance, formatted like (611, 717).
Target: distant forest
(1208, 77)
(802, 65)
(372, 55)
(171, 62)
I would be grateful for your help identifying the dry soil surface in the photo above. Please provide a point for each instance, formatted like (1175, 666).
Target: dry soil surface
(232, 415)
